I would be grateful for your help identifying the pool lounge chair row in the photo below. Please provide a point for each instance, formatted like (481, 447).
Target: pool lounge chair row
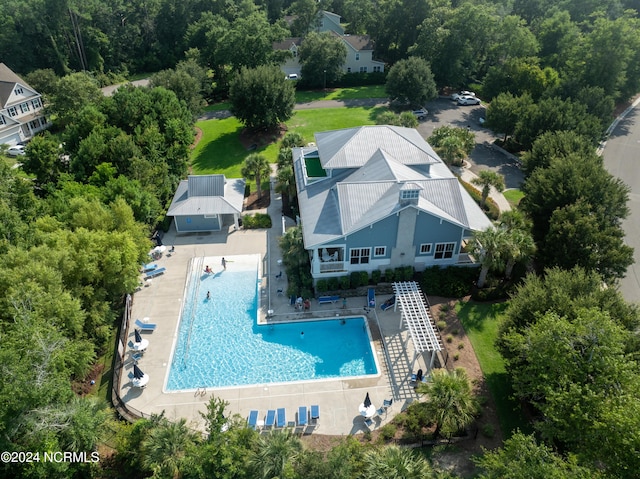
(277, 418)
(154, 273)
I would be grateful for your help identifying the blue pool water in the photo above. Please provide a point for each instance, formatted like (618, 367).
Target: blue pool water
(219, 343)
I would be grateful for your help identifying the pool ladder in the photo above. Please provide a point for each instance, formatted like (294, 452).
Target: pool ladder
(194, 275)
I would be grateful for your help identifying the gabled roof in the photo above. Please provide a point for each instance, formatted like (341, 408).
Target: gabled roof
(366, 189)
(353, 147)
(8, 81)
(207, 195)
(287, 43)
(357, 42)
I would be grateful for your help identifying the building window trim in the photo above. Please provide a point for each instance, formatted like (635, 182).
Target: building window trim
(379, 251)
(444, 250)
(425, 248)
(359, 255)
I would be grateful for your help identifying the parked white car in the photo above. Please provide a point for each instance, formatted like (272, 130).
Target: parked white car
(420, 114)
(455, 96)
(468, 100)
(292, 76)
(17, 150)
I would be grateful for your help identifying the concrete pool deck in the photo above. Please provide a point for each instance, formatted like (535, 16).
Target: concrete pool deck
(339, 399)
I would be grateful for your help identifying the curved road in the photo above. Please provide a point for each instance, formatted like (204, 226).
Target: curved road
(620, 154)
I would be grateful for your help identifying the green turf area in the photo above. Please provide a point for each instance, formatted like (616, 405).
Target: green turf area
(514, 196)
(220, 150)
(372, 91)
(314, 169)
(480, 321)
(223, 105)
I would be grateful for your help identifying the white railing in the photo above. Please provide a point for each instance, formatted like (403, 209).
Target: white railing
(332, 266)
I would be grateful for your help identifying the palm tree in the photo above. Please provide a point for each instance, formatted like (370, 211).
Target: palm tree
(256, 167)
(489, 246)
(274, 453)
(486, 179)
(451, 403)
(392, 462)
(286, 186)
(452, 150)
(520, 246)
(165, 447)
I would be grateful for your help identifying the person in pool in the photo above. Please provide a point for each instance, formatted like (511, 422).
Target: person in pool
(208, 294)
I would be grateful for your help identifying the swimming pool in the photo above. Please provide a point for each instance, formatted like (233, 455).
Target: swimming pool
(220, 344)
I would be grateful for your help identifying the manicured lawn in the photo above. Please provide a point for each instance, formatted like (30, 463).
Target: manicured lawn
(220, 150)
(372, 91)
(480, 321)
(223, 105)
(514, 196)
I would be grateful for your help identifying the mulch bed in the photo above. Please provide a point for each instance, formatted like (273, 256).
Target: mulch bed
(252, 202)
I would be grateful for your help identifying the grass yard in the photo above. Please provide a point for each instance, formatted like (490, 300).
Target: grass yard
(359, 92)
(513, 196)
(223, 105)
(480, 321)
(220, 149)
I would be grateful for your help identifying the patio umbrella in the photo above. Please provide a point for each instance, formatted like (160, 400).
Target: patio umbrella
(137, 336)
(367, 401)
(137, 372)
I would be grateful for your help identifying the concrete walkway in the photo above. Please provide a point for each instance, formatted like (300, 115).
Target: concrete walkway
(468, 176)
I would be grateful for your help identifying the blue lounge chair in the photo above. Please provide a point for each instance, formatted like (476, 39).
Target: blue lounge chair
(253, 419)
(371, 298)
(369, 423)
(154, 273)
(145, 326)
(302, 416)
(281, 417)
(148, 267)
(270, 420)
(328, 299)
(315, 413)
(387, 403)
(388, 303)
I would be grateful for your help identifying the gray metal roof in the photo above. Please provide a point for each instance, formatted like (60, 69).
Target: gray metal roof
(353, 147)
(356, 197)
(210, 196)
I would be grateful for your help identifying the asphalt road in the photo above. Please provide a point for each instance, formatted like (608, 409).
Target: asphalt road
(621, 155)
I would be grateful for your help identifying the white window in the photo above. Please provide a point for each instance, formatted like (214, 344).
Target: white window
(360, 255)
(18, 90)
(409, 194)
(425, 248)
(380, 251)
(24, 107)
(444, 250)
(357, 56)
(2, 120)
(13, 111)
(36, 103)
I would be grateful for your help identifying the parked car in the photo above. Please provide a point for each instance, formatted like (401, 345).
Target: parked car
(468, 100)
(17, 150)
(420, 114)
(292, 76)
(455, 96)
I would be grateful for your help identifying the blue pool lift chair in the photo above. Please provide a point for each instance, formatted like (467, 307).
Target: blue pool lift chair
(281, 417)
(270, 420)
(253, 419)
(315, 413)
(302, 416)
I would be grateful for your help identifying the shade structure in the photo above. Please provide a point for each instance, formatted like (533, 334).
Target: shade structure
(367, 401)
(367, 412)
(138, 337)
(160, 249)
(137, 372)
(140, 383)
(141, 346)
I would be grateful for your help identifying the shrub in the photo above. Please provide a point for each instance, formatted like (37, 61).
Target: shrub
(376, 274)
(333, 284)
(257, 221)
(443, 315)
(456, 357)
(449, 339)
(356, 279)
(488, 430)
(441, 325)
(322, 286)
(461, 346)
(449, 282)
(344, 282)
(247, 190)
(388, 431)
(389, 275)
(291, 139)
(500, 291)
(490, 207)
(445, 307)
(454, 332)
(415, 418)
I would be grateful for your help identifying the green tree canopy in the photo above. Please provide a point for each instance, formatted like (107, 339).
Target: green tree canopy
(256, 167)
(322, 56)
(261, 98)
(411, 82)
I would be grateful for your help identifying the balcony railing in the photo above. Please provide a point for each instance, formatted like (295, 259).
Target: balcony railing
(331, 266)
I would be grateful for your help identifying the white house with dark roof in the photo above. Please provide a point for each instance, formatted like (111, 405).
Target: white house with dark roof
(359, 48)
(378, 197)
(207, 203)
(21, 109)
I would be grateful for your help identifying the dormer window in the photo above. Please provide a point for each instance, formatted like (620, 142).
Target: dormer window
(18, 90)
(408, 195)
